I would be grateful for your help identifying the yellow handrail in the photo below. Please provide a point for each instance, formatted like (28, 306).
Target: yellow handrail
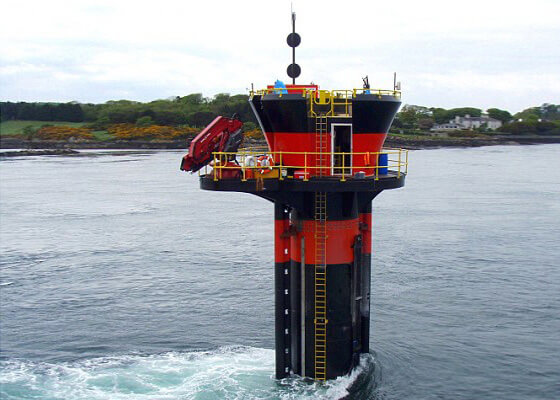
(312, 92)
(398, 164)
(329, 98)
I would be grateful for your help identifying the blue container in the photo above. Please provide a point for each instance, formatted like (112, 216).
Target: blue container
(383, 163)
(280, 85)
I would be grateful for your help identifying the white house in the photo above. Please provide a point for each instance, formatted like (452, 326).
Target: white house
(468, 122)
(445, 127)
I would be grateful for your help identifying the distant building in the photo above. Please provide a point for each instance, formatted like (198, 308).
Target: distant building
(445, 127)
(468, 122)
(419, 109)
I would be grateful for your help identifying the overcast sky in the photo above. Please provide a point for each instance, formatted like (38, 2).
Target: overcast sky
(446, 53)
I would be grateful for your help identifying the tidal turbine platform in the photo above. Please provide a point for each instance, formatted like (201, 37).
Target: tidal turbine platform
(323, 165)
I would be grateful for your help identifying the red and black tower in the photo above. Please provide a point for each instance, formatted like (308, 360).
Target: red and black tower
(323, 166)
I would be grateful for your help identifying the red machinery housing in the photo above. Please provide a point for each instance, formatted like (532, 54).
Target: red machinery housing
(222, 134)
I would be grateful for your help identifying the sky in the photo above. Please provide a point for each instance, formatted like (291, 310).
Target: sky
(445, 53)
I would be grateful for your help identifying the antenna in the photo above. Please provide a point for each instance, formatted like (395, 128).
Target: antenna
(366, 82)
(293, 40)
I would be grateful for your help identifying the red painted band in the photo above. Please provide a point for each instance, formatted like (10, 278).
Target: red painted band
(306, 142)
(339, 242)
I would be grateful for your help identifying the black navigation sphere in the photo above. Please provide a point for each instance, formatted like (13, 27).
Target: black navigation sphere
(293, 39)
(294, 70)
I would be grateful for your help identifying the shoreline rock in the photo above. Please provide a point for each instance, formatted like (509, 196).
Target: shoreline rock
(412, 143)
(55, 152)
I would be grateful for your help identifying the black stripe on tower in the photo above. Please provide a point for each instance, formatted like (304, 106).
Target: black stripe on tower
(371, 114)
(341, 206)
(365, 302)
(366, 286)
(341, 351)
(282, 306)
(295, 316)
(286, 113)
(282, 319)
(355, 300)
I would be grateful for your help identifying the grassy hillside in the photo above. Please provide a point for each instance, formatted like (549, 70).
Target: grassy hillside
(16, 127)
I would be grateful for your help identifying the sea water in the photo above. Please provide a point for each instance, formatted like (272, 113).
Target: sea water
(121, 279)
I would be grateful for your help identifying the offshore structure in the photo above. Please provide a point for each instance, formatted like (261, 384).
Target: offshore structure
(323, 166)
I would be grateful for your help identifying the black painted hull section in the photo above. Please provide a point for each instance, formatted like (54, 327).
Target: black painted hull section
(373, 113)
(348, 294)
(288, 113)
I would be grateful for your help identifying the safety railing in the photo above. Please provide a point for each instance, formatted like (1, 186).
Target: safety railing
(329, 102)
(257, 164)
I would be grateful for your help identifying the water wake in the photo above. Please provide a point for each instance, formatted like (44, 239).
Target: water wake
(226, 373)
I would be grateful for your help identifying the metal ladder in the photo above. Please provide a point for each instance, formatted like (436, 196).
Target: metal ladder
(320, 256)
(321, 137)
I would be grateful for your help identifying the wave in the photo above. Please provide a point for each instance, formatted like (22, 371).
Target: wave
(89, 214)
(226, 373)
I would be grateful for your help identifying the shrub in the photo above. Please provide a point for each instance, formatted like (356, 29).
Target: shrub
(465, 134)
(144, 121)
(100, 125)
(152, 132)
(63, 132)
(254, 134)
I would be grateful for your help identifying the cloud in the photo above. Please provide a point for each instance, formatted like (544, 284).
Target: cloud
(484, 53)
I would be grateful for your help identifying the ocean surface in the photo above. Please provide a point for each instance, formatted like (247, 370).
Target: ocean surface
(121, 279)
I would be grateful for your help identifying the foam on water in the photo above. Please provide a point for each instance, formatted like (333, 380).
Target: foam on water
(227, 373)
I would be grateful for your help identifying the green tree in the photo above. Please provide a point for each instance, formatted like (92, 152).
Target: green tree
(463, 111)
(249, 126)
(26, 111)
(501, 115)
(440, 115)
(192, 99)
(533, 112)
(425, 123)
(144, 121)
(551, 112)
(29, 133)
(200, 119)
(408, 117)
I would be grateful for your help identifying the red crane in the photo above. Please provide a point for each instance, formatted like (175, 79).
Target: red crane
(222, 134)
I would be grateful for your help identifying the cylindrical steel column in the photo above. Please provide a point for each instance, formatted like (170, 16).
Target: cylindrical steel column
(282, 290)
(366, 229)
(344, 293)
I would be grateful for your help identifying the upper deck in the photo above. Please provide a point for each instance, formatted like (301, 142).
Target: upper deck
(346, 124)
(329, 103)
(258, 169)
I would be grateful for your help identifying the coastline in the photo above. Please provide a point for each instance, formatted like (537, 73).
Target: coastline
(412, 143)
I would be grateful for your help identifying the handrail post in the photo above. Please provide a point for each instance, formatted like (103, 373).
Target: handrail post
(305, 168)
(399, 170)
(406, 160)
(243, 168)
(280, 177)
(343, 179)
(377, 153)
(215, 168)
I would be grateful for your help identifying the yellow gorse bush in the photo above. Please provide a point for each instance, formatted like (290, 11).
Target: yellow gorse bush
(63, 132)
(158, 132)
(254, 134)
